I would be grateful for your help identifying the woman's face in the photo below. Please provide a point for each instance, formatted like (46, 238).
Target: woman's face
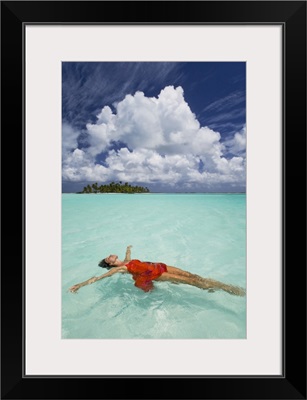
(111, 259)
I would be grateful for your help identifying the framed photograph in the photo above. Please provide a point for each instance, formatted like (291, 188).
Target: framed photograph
(178, 128)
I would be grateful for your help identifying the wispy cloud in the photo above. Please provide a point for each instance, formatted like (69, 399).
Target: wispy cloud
(228, 102)
(231, 127)
(222, 117)
(87, 87)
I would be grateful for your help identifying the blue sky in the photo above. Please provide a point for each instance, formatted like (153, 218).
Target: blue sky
(170, 126)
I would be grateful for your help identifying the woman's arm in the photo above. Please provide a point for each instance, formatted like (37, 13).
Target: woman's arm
(128, 254)
(112, 271)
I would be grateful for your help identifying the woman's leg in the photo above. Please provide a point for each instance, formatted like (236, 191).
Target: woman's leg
(178, 271)
(202, 283)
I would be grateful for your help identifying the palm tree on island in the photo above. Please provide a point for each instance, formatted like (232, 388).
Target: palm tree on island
(114, 187)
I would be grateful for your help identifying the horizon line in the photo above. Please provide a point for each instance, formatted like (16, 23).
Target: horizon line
(159, 193)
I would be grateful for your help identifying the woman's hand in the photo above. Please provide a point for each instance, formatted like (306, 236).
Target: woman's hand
(74, 288)
(128, 254)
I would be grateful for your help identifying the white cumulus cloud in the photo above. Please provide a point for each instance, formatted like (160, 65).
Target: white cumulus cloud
(69, 139)
(163, 143)
(237, 144)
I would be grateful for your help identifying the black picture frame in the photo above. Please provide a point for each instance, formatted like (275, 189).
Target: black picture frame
(292, 383)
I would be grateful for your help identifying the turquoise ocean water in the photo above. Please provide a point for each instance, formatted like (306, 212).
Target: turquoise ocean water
(202, 233)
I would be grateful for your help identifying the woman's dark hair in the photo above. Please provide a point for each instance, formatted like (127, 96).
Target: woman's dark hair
(104, 264)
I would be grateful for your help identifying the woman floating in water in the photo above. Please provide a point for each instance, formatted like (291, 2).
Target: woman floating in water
(144, 272)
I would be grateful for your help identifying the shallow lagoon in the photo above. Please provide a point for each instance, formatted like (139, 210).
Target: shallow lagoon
(202, 233)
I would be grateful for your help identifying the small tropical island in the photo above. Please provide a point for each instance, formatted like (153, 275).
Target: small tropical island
(114, 187)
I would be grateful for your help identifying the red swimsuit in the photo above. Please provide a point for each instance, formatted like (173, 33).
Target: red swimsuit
(143, 272)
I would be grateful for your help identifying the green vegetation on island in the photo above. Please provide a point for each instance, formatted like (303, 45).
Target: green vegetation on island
(114, 187)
